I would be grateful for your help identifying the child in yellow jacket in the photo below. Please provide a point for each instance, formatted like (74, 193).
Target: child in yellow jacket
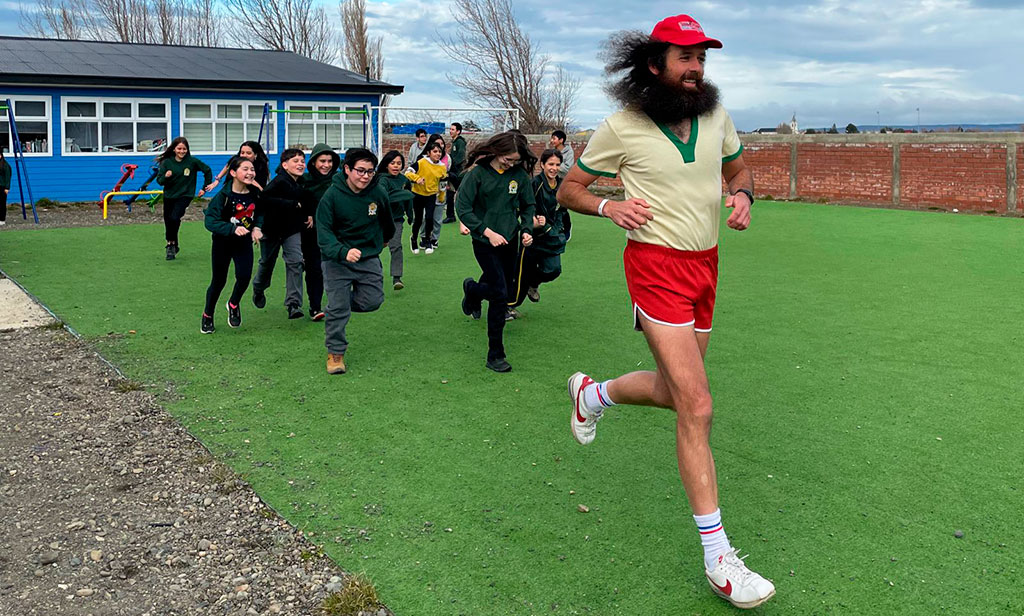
(429, 177)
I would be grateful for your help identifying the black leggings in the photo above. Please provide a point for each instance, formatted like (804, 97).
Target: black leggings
(224, 251)
(423, 206)
(174, 211)
(311, 266)
(497, 265)
(3, 204)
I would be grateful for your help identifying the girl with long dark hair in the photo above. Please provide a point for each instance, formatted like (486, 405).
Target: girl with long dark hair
(495, 205)
(252, 151)
(389, 174)
(177, 174)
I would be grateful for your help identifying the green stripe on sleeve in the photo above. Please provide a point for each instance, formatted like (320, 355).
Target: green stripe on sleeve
(733, 157)
(594, 171)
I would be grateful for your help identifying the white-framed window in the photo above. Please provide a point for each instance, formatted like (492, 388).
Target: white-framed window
(322, 122)
(220, 127)
(115, 125)
(32, 117)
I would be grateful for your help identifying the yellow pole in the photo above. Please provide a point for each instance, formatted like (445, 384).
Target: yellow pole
(107, 196)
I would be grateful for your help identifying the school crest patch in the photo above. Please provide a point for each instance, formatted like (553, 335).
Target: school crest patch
(513, 187)
(187, 172)
(373, 209)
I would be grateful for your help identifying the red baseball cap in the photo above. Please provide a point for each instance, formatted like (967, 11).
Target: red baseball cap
(684, 31)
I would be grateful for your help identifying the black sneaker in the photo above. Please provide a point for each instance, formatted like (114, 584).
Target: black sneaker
(177, 248)
(206, 327)
(533, 294)
(467, 309)
(171, 252)
(449, 220)
(512, 314)
(316, 314)
(499, 364)
(399, 285)
(294, 312)
(234, 315)
(259, 299)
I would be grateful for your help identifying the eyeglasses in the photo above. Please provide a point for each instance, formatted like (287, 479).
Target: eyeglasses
(366, 172)
(505, 160)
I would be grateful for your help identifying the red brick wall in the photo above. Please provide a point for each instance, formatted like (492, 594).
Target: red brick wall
(770, 163)
(857, 172)
(968, 176)
(967, 172)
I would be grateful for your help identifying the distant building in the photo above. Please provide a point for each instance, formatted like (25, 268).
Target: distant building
(793, 125)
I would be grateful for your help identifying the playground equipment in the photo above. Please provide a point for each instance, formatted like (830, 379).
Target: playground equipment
(107, 196)
(127, 173)
(153, 172)
(19, 163)
(304, 113)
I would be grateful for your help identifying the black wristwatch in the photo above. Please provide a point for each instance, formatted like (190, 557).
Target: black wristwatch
(746, 192)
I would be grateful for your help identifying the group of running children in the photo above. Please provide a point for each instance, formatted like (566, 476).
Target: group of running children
(331, 220)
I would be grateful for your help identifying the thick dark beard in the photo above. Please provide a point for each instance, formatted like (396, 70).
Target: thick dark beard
(669, 104)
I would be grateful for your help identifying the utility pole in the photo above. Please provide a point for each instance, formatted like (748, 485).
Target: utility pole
(918, 119)
(878, 119)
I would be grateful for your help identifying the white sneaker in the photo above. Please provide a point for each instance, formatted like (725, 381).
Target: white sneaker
(415, 251)
(584, 420)
(732, 581)
(429, 250)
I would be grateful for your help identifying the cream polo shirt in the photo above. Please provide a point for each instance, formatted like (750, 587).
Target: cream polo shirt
(682, 182)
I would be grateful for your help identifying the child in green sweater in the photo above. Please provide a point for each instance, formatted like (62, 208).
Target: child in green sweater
(177, 174)
(495, 205)
(389, 175)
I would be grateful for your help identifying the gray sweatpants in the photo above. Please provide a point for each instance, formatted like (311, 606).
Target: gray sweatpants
(291, 246)
(438, 217)
(395, 246)
(350, 287)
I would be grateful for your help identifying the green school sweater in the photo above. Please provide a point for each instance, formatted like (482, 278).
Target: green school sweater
(399, 193)
(182, 182)
(313, 180)
(502, 202)
(458, 154)
(550, 238)
(347, 220)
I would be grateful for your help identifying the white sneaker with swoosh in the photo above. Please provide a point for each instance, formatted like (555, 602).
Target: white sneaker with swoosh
(731, 580)
(584, 420)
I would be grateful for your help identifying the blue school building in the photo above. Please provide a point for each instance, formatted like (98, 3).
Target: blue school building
(83, 109)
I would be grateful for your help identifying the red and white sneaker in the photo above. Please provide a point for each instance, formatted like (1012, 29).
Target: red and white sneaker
(584, 419)
(732, 581)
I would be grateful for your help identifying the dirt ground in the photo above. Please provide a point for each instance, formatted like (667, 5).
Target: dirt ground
(110, 507)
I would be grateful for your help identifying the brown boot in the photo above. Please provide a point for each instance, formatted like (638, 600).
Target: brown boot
(335, 363)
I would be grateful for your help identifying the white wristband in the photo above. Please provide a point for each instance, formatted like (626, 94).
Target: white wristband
(600, 207)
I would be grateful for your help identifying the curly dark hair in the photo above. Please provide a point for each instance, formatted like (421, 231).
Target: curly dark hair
(634, 53)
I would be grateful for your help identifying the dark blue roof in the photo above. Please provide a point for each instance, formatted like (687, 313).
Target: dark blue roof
(26, 60)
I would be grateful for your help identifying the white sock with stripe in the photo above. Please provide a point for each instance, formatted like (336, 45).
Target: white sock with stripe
(712, 537)
(596, 397)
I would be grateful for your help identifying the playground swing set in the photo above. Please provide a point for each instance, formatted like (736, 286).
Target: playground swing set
(128, 169)
(19, 163)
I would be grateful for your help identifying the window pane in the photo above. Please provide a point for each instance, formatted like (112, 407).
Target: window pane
(5, 137)
(117, 137)
(81, 137)
(330, 133)
(300, 117)
(253, 134)
(33, 136)
(197, 111)
(152, 110)
(29, 108)
(227, 137)
(152, 136)
(199, 135)
(301, 136)
(353, 137)
(256, 112)
(117, 110)
(329, 116)
(229, 112)
(81, 109)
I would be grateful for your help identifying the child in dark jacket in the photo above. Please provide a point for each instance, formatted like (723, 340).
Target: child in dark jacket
(542, 262)
(389, 175)
(177, 174)
(5, 186)
(235, 223)
(324, 162)
(287, 209)
(353, 221)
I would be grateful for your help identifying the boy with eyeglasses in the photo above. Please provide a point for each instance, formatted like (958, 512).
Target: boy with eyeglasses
(353, 220)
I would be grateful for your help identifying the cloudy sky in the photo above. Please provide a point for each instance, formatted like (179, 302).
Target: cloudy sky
(958, 61)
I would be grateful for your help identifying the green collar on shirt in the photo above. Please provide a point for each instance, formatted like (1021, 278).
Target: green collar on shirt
(687, 150)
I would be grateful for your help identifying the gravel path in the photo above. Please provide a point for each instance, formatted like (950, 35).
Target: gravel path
(109, 506)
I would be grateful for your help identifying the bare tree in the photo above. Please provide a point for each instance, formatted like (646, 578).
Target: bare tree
(186, 22)
(301, 26)
(503, 67)
(63, 19)
(361, 52)
(562, 95)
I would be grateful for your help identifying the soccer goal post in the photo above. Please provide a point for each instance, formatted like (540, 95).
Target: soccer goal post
(391, 126)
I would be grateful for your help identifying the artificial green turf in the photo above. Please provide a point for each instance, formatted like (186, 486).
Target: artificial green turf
(847, 343)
